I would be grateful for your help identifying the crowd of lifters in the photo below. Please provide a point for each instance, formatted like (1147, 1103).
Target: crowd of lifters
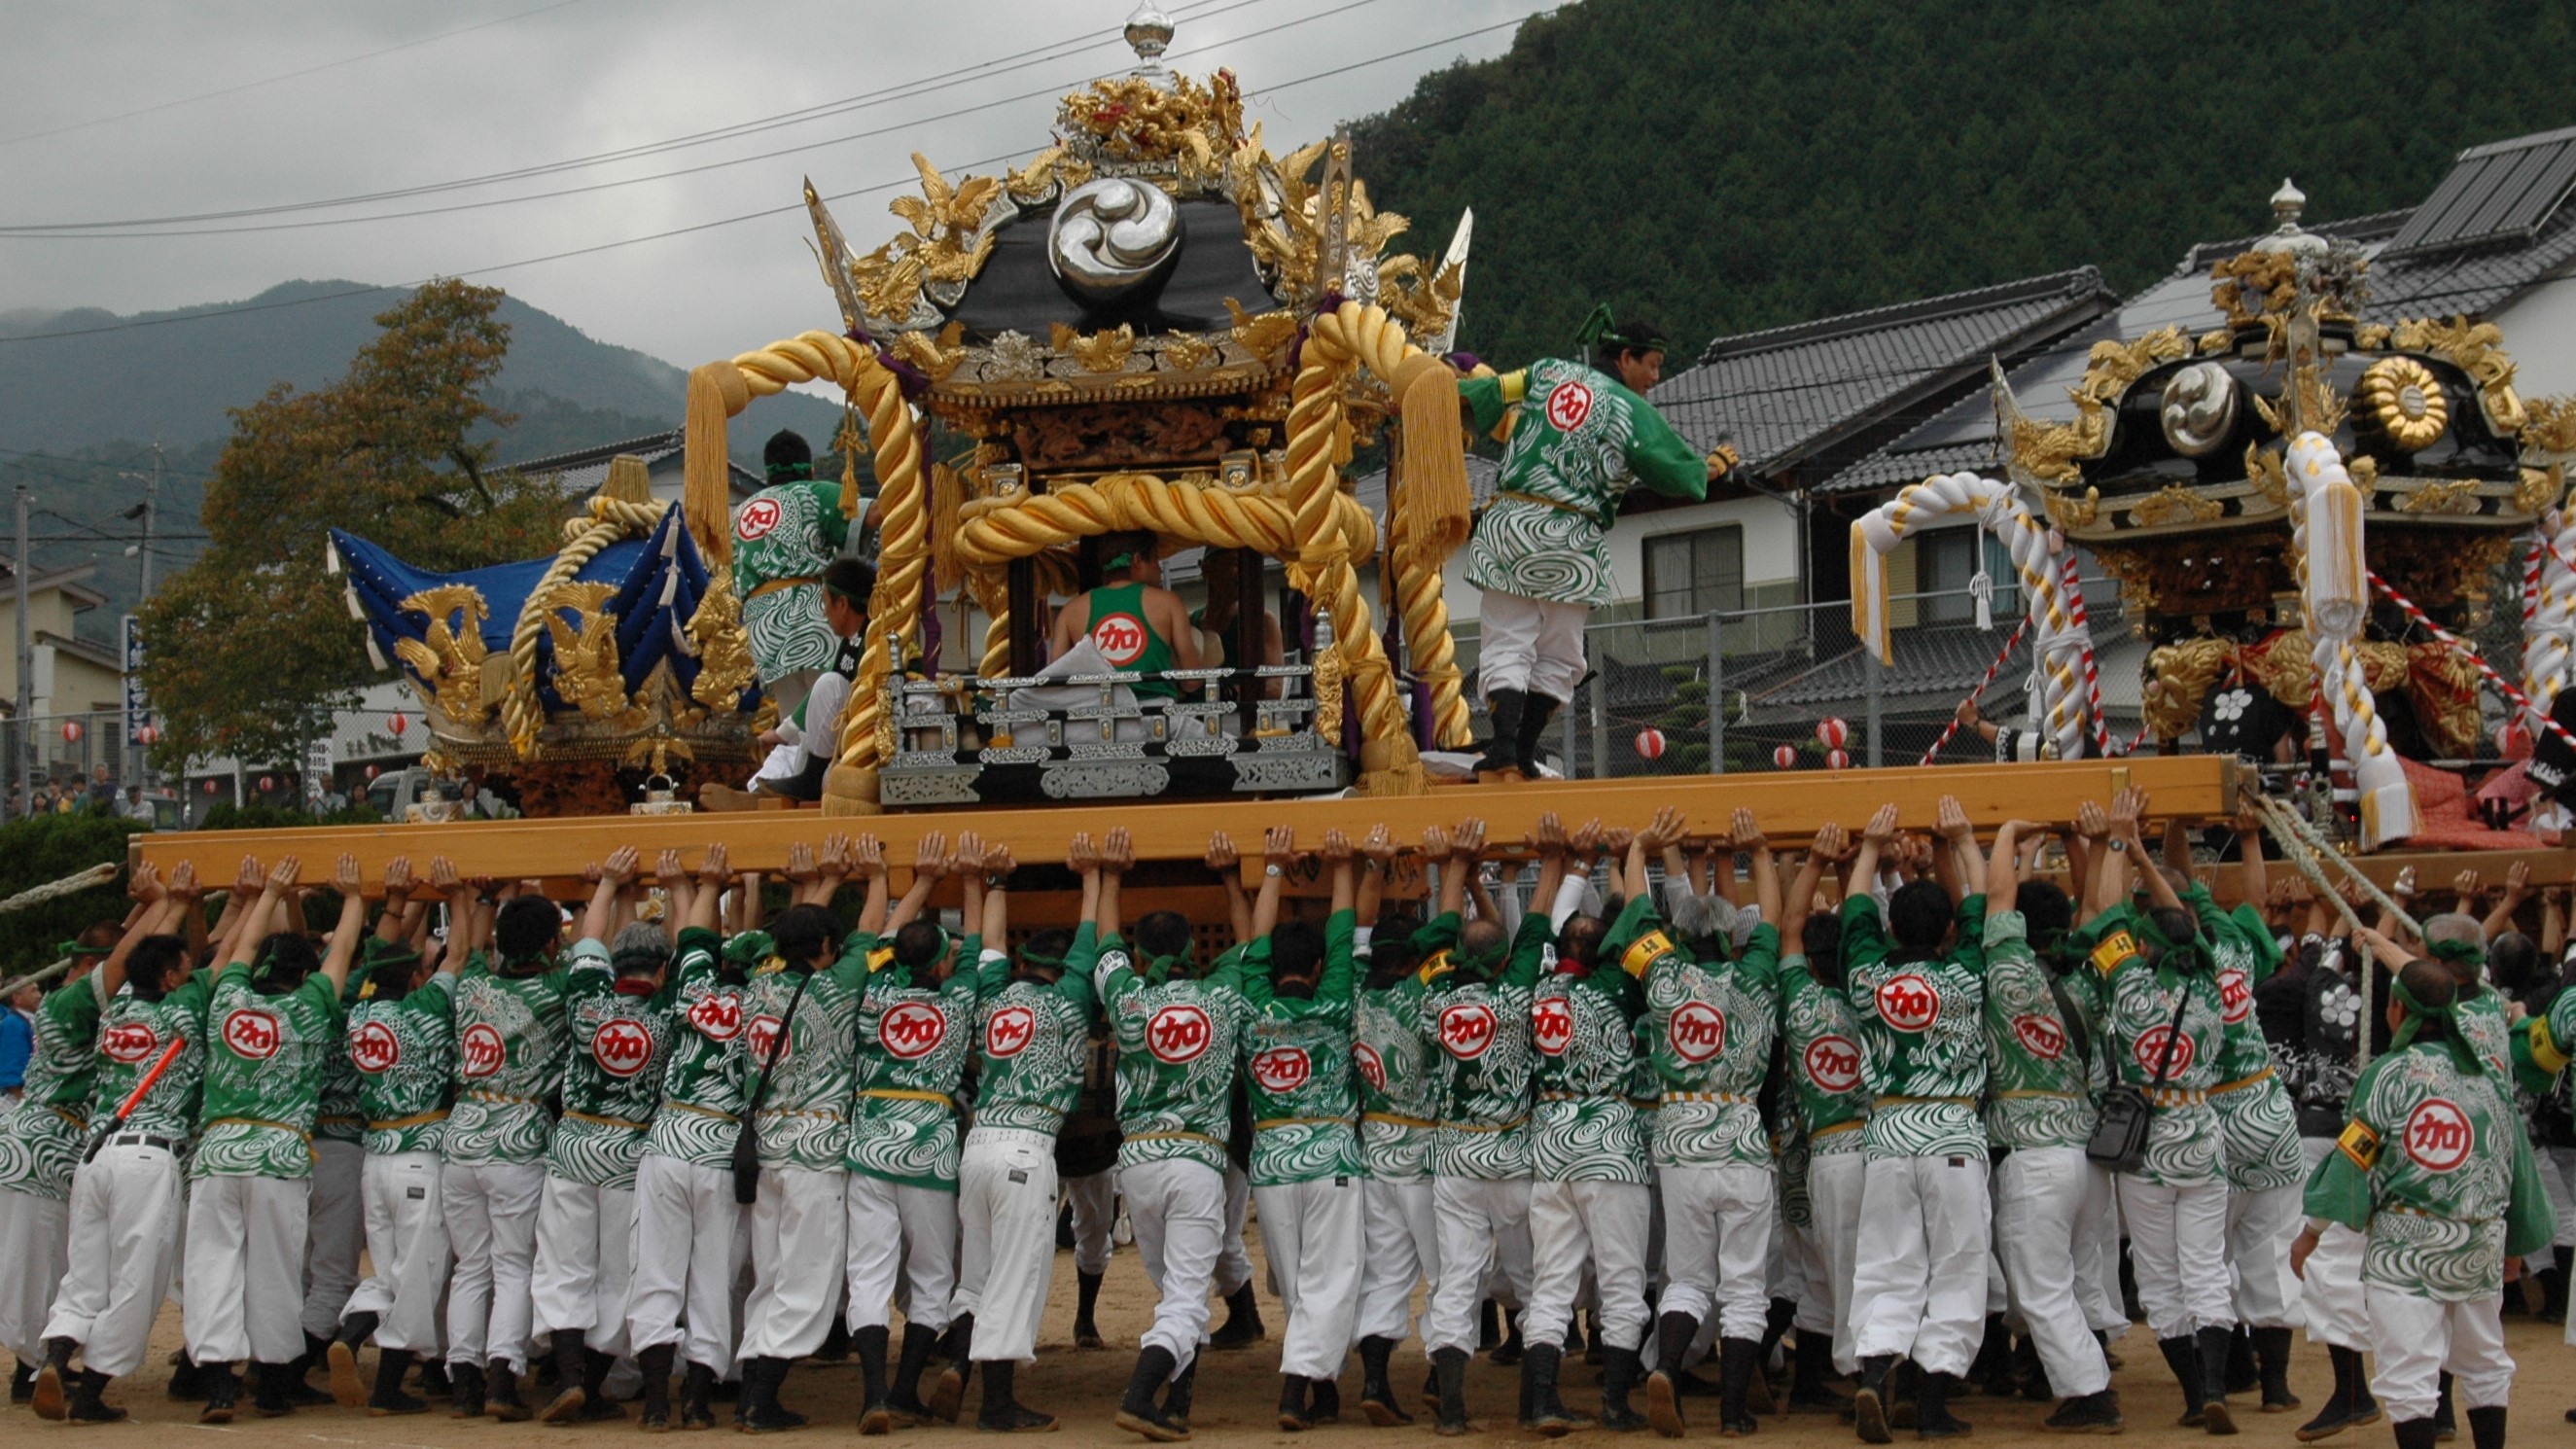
(1665, 1103)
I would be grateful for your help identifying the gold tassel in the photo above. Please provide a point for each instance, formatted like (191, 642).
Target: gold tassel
(1438, 503)
(716, 392)
(947, 496)
(852, 439)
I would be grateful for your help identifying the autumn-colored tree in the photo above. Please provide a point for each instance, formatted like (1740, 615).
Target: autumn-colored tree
(251, 647)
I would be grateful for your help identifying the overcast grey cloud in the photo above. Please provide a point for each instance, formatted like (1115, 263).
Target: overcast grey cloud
(575, 80)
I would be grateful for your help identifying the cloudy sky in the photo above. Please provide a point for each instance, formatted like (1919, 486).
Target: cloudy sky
(182, 117)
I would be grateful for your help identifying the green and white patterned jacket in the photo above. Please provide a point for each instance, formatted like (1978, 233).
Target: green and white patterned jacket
(1297, 1066)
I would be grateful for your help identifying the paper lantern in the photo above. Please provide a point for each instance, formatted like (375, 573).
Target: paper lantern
(1832, 733)
(1785, 757)
(398, 724)
(149, 734)
(71, 731)
(267, 783)
(210, 787)
(1837, 760)
(1650, 743)
(371, 772)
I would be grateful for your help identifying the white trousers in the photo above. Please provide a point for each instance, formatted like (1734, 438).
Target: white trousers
(335, 1229)
(406, 1227)
(243, 1300)
(900, 1239)
(2178, 1246)
(1529, 644)
(1836, 1183)
(2260, 1228)
(1006, 1240)
(2039, 1201)
(796, 1261)
(1572, 1224)
(2097, 1256)
(492, 1224)
(1403, 1249)
(585, 1262)
(690, 1246)
(2417, 1340)
(2330, 1293)
(1919, 1277)
(1483, 1228)
(1311, 1232)
(1233, 1263)
(1718, 1245)
(1178, 1211)
(126, 1216)
(35, 1232)
(1094, 1197)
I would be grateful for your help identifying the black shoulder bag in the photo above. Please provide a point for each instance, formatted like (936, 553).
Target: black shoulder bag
(2119, 1140)
(746, 1142)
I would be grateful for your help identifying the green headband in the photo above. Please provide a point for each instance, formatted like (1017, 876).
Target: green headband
(76, 950)
(1160, 968)
(2457, 953)
(1045, 960)
(2417, 1013)
(1117, 561)
(748, 949)
(790, 471)
(845, 596)
(1479, 963)
(2144, 923)
(944, 939)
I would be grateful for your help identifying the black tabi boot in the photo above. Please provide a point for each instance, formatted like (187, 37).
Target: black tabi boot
(86, 1407)
(781, 1415)
(762, 1413)
(501, 1393)
(1449, 1366)
(1292, 1405)
(1002, 1412)
(2553, 1294)
(697, 1388)
(948, 1391)
(2214, 1344)
(1534, 717)
(1775, 1326)
(434, 1384)
(2183, 1357)
(52, 1388)
(836, 1341)
(1739, 1363)
(1869, 1406)
(1086, 1331)
(1377, 1396)
(1808, 1371)
(2486, 1427)
(186, 1385)
(268, 1390)
(597, 1407)
(2096, 1413)
(1991, 1370)
(2349, 1405)
(903, 1395)
(2415, 1434)
(2033, 1373)
(22, 1384)
(1548, 1414)
(570, 1395)
(1323, 1402)
(1506, 706)
(1905, 1383)
(2242, 1375)
(1673, 1335)
(1932, 1416)
(876, 1415)
(298, 1387)
(387, 1398)
(1180, 1397)
(1137, 1412)
(223, 1394)
(1431, 1391)
(2272, 1369)
(2445, 1427)
(346, 1389)
(655, 1362)
(1242, 1327)
(1620, 1370)
(1509, 1351)
(465, 1391)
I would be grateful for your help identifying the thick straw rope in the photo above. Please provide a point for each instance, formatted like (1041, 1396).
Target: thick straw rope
(608, 520)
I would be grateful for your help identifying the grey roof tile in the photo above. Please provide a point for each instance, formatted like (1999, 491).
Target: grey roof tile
(1942, 664)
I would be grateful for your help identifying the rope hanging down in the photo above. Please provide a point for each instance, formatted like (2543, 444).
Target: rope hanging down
(2469, 652)
(1980, 691)
(2303, 848)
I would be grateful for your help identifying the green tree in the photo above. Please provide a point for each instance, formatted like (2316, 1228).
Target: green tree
(45, 848)
(251, 647)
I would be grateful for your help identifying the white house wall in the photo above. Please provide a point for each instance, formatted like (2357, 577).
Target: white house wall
(2540, 335)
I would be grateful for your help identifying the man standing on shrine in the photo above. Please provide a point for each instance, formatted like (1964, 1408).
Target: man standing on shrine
(783, 537)
(1579, 437)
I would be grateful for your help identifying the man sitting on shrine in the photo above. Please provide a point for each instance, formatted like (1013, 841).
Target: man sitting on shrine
(807, 738)
(1133, 621)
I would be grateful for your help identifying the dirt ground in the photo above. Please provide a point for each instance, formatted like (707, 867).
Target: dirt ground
(1238, 1393)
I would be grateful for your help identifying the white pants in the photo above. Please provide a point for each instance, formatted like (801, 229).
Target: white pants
(1836, 1184)
(1718, 1245)
(1483, 1226)
(1403, 1249)
(1575, 1223)
(243, 1300)
(1529, 644)
(796, 1261)
(689, 1249)
(35, 1231)
(406, 1229)
(1095, 1215)
(126, 1215)
(1919, 1277)
(2417, 1340)
(335, 1230)
(1311, 1231)
(2039, 1198)
(822, 731)
(899, 1235)
(2178, 1245)
(1006, 1240)
(2097, 1256)
(2330, 1294)
(492, 1224)
(2260, 1228)
(1178, 1210)
(1233, 1263)
(585, 1262)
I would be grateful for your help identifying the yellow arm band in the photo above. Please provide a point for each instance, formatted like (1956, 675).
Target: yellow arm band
(1641, 953)
(2546, 1054)
(2360, 1144)
(2114, 949)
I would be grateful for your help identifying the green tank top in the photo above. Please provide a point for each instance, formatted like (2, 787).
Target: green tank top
(1120, 630)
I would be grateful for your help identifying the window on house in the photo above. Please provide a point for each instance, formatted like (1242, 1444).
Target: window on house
(1695, 573)
(1945, 563)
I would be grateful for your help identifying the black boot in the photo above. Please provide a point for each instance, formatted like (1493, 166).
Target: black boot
(570, 1396)
(434, 1384)
(2182, 1356)
(388, 1399)
(86, 1407)
(2095, 1413)
(1002, 1412)
(1377, 1396)
(1869, 1406)
(1807, 1374)
(656, 1365)
(2486, 1427)
(268, 1390)
(1991, 1370)
(1739, 1360)
(52, 1390)
(1620, 1370)
(1506, 706)
(2214, 1344)
(1673, 1335)
(1137, 1412)
(223, 1393)
(1086, 1332)
(1540, 1365)
(1242, 1327)
(501, 1393)
(783, 1416)
(2032, 1373)
(876, 1415)
(2272, 1369)
(903, 1395)
(2445, 1427)
(1534, 717)
(1509, 1351)
(597, 1407)
(186, 1385)
(697, 1390)
(1932, 1416)
(1292, 1405)
(1591, 1338)
(762, 1413)
(465, 1391)
(2350, 1404)
(2553, 1294)
(2242, 1375)
(1179, 1398)
(1449, 1365)
(297, 1387)
(22, 1384)
(835, 1347)
(948, 1391)
(1323, 1402)
(2416, 1433)
(1775, 1327)
(342, 1353)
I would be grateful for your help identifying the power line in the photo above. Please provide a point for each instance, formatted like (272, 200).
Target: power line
(290, 75)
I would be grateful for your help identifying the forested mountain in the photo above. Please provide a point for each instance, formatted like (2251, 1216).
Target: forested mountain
(1723, 165)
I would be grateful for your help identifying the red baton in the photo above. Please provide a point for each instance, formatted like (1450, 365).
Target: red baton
(135, 1098)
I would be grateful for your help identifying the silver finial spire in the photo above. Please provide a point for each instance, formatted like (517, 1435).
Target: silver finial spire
(1149, 31)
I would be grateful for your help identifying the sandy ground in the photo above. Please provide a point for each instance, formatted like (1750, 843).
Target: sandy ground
(1238, 1393)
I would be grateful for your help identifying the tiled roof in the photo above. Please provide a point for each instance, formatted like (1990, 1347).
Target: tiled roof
(1787, 391)
(2503, 192)
(1939, 664)
(582, 470)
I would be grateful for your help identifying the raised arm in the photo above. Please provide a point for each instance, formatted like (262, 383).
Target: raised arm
(352, 886)
(1337, 862)
(1875, 837)
(1766, 871)
(1452, 900)
(156, 909)
(1467, 857)
(706, 898)
(1377, 856)
(1278, 856)
(2254, 882)
(1960, 841)
(459, 894)
(1548, 839)
(1226, 864)
(967, 864)
(2127, 809)
(393, 923)
(1117, 852)
(262, 915)
(2003, 892)
(1801, 900)
(867, 864)
(930, 864)
(679, 898)
(998, 866)
(598, 920)
(2517, 889)
(1082, 857)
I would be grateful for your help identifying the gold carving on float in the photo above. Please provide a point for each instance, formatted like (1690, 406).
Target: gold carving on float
(2476, 349)
(936, 358)
(2211, 344)
(2067, 511)
(2263, 468)
(725, 667)
(2549, 430)
(1181, 122)
(2541, 489)
(2174, 502)
(2457, 495)
(1102, 351)
(1264, 334)
(586, 664)
(2371, 337)
(2406, 401)
(2252, 285)
(448, 658)
(1184, 352)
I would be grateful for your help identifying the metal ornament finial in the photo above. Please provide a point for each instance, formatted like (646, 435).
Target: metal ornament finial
(1149, 31)
(2287, 203)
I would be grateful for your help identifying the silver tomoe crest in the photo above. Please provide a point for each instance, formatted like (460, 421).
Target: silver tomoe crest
(1113, 235)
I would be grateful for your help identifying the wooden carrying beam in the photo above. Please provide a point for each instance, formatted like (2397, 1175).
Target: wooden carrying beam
(1790, 806)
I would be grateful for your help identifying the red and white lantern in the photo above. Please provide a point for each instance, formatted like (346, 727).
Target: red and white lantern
(1832, 733)
(1837, 760)
(149, 734)
(210, 787)
(1785, 758)
(398, 724)
(71, 731)
(1650, 743)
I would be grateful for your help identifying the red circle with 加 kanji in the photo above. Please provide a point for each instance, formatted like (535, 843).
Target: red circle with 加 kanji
(2235, 995)
(621, 1047)
(2150, 1049)
(759, 517)
(1372, 1066)
(913, 1029)
(1908, 1002)
(2041, 1035)
(1120, 638)
(1007, 1032)
(251, 1034)
(1178, 1033)
(1568, 404)
(1282, 1069)
(1833, 1063)
(717, 1018)
(481, 1051)
(374, 1049)
(2439, 1135)
(1696, 1032)
(1552, 1025)
(1467, 1030)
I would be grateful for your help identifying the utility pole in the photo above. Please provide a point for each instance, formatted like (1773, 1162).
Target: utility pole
(21, 747)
